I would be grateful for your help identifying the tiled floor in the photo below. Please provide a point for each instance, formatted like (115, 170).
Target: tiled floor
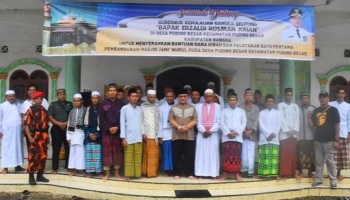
(164, 188)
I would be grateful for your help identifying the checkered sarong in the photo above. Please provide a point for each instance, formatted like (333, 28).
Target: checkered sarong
(268, 160)
(93, 158)
(341, 154)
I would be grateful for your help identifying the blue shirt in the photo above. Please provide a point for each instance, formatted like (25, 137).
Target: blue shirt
(130, 124)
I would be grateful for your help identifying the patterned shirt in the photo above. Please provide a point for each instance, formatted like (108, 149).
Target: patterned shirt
(183, 114)
(37, 117)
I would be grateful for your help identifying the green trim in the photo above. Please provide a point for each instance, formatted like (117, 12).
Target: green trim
(342, 68)
(29, 61)
(187, 62)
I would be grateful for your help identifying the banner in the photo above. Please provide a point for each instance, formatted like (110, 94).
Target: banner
(263, 31)
(265, 77)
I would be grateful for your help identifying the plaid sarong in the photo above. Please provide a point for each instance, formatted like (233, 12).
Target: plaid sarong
(268, 160)
(150, 158)
(93, 158)
(341, 154)
(167, 155)
(132, 160)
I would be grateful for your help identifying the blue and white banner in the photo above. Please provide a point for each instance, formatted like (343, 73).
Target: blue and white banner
(279, 32)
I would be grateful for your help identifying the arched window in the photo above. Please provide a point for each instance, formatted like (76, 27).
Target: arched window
(20, 80)
(334, 84)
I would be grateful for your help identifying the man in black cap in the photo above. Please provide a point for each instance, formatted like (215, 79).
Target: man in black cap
(183, 117)
(58, 113)
(288, 135)
(250, 137)
(109, 115)
(306, 153)
(295, 33)
(326, 121)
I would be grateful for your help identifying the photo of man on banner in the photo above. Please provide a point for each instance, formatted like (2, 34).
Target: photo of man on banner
(294, 33)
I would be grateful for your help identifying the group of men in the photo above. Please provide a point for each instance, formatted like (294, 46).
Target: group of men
(195, 136)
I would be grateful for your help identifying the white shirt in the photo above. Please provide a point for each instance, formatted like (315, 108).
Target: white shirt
(290, 119)
(166, 129)
(130, 124)
(77, 136)
(10, 115)
(216, 124)
(270, 121)
(290, 35)
(344, 114)
(150, 119)
(27, 103)
(232, 120)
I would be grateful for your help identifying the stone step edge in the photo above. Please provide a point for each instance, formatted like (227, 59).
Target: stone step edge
(97, 194)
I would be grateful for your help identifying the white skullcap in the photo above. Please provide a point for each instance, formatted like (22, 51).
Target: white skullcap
(95, 93)
(208, 91)
(187, 86)
(9, 92)
(211, 83)
(77, 96)
(151, 92)
(126, 87)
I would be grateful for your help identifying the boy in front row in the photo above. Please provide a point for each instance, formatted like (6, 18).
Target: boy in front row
(36, 127)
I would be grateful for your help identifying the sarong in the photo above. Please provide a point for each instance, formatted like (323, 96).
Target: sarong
(268, 160)
(93, 158)
(341, 156)
(150, 158)
(248, 156)
(112, 150)
(132, 160)
(167, 155)
(288, 157)
(306, 155)
(231, 157)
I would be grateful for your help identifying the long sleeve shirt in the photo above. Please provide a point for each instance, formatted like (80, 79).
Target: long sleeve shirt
(76, 136)
(233, 119)
(10, 115)
(306, 132)
(216, 124)
(150, 119)
(109, 115)
(165, 131)
(252, 119)
(290, 119)
(130, 124)
(270, 121)
(344, 114)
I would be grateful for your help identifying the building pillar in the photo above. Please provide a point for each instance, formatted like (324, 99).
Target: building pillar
(227, 84)
(53, 86)
(287, 77)
(3, 78)
(72, 76)
(323, 84)
(149, 78)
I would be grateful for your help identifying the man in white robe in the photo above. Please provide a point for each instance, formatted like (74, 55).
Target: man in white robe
(341, 156)
(11, 133)
(76, 136)
(207, 159)
(288, 135)
(250, 138)
(211, 85)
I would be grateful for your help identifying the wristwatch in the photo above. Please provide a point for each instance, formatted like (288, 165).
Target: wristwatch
(179, 127)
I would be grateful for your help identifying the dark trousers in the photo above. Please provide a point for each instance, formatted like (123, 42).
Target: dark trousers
(183, 149)
(58, 136)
